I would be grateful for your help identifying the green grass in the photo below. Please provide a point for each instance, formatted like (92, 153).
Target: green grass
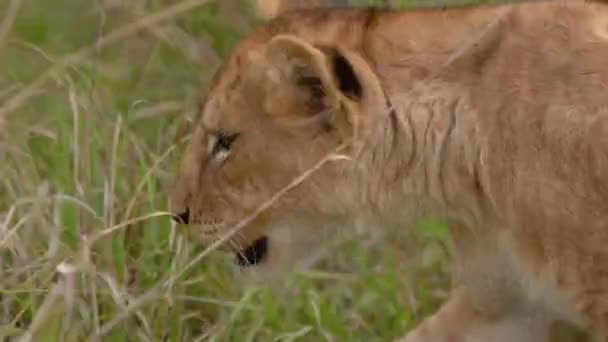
(92, 147)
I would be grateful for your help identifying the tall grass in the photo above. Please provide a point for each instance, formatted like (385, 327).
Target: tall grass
(93, 98)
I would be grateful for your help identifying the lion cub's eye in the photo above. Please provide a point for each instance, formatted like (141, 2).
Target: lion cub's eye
(222, 143)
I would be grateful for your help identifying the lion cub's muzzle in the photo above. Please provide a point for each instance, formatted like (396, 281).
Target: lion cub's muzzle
(251, 255)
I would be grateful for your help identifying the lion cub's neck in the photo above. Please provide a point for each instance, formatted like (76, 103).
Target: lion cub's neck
(424, 152)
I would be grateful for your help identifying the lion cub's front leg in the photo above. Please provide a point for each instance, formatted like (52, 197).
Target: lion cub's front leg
(458, 321)
(449, 324)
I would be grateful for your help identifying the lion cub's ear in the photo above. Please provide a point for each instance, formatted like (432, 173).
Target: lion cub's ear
(349, 89)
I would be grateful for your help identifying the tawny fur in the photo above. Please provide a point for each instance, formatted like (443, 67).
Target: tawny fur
(495, 118)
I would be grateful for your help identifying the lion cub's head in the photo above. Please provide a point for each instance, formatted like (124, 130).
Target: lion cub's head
(275, 111)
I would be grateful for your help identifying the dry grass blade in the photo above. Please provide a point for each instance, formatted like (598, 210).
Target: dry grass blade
(146, 177)
(49, 308)
(24, 94)
(8, 234)
(122, 298)
(9, 20)
(130, 310)
(124, 224)
(5, 27)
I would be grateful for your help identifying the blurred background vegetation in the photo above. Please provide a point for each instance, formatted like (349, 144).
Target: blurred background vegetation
(93, 94)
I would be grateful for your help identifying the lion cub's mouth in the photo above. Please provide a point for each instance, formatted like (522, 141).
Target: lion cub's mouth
(253, 254)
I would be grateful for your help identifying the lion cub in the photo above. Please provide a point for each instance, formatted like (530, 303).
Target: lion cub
(493, 117)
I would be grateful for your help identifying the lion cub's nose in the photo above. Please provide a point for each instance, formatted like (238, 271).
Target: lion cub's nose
(183, 218)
